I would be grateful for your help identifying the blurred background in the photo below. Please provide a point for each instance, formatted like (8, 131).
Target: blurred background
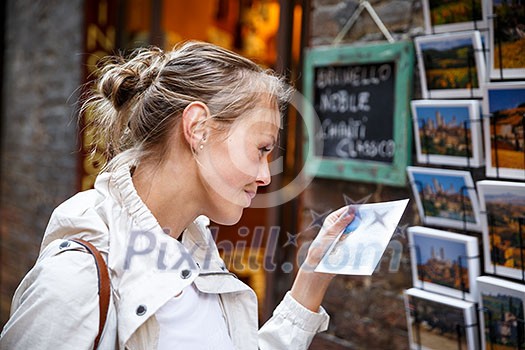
(49, 51)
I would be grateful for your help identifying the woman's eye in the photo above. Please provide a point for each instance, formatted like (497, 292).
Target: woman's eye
(264, 150)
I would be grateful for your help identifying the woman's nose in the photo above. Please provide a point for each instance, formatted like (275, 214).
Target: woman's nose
(264, 177)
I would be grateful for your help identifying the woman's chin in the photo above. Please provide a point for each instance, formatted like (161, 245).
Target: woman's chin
(228, 219)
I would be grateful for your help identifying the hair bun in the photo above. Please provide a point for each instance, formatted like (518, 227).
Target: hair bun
(146, 79)
(119, 85)
(121, 80)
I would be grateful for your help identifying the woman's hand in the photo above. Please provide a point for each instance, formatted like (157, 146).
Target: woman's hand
(310, 287)
(332, 227)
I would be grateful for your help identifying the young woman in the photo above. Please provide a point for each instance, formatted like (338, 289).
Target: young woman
(188, 133)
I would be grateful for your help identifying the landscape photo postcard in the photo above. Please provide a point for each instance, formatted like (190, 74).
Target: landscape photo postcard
(502, 312)
(445, 197)
(504, 120)
(444, 262)
(454, 15)
(451, 65)
(507, 34)
(437, 322)
(448, 132)
(502, 204)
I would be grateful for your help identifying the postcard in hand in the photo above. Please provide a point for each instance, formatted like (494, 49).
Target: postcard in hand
(448, 132)
(361, 249)
(507, 39)
(504, 110)
(502, 312)
(450, 65)
(503, 220)
(445, 197)
(449, 16)
(439, 322)
(444, 262)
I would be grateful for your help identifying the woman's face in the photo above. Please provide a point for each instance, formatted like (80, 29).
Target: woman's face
(234, 165)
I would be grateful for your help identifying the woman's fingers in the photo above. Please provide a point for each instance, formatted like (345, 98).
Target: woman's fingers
(338, 220)
(334, 224)
(332, 218)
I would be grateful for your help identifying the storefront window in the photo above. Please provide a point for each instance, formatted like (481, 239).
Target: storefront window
(245, 26)
(137, 23)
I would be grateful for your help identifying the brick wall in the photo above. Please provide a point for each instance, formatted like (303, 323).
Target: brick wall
(366, 312)
(42, 70)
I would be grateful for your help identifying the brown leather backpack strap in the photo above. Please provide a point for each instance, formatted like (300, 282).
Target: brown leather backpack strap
(104, 287)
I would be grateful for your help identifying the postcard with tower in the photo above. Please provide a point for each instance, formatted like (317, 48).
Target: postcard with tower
(444, 262)
(445, 198)
(448, 132)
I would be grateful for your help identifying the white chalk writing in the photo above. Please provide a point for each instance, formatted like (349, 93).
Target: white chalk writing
(343, 102)
(354, 76)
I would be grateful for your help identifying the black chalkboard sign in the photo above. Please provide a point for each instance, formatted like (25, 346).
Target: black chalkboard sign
(361, 125)
(354, 104)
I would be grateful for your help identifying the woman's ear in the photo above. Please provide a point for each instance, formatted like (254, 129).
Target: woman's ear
(194, 119)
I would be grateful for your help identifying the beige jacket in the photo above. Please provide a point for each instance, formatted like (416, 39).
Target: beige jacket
(56, 305)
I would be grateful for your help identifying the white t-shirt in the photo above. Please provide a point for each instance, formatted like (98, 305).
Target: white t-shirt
(193, 320)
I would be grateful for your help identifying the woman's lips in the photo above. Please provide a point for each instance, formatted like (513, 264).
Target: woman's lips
(249, 196)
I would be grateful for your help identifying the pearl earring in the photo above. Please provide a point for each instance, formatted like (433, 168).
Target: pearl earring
(201, 146)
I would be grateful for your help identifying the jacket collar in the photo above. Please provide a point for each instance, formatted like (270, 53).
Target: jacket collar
(149, 267)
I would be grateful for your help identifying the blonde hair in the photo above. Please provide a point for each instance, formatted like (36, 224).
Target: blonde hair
(137, 100)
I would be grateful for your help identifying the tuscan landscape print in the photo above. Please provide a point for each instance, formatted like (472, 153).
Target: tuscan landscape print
(504, 204)
(509, 38)
(442, 262)
(450, 62)
(502, 314)
(434, 325)
(454, 11)
(448, 132)
(444, 197)
(505, 127)
(503, 319)
(444, 130)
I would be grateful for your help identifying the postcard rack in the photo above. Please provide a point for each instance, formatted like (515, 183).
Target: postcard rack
(495, 255)
(458, 328)
(493, 126)
(492, 325)
(427, 142)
